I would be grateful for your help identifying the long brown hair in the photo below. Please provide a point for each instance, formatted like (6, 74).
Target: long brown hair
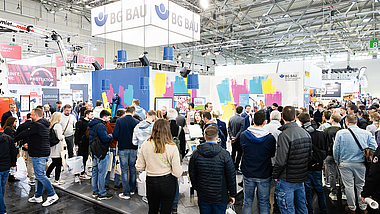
(376, 117)
(159, 114)
(161, 135)
(9, 122)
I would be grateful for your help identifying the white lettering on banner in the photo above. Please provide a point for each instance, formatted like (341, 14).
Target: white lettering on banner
(124, 21)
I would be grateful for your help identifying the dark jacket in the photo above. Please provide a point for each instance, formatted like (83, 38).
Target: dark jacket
(372, 184)
(212, 173)
(174, 128)
(80, 132)
(363, 123)
(22, 127)
(293, 154)
(223, 127)
(318, 138)
(318, 116)
(236, 127)
(330, 138)
(38, 133)
(101, 131)
(9, 114)
(123, 132)
(10, 132)
(110, 127)
(258, 147)
(181, 120)
(8, 153)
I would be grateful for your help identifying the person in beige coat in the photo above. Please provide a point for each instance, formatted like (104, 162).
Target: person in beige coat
(159, 157)
(55, 151)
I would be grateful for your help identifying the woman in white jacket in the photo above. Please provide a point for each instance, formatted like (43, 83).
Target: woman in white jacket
(55, 151)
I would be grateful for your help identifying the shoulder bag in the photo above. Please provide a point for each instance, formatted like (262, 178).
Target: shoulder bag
(368, 153)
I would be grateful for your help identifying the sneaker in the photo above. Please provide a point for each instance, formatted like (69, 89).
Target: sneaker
(174, 211)
(76, 179)
(145, 199)
(32, 183)
(60, 182)
(327, 184)
(344, 197)
(348, 210)
(132, 193)
(85, 177)
(105, 197)
(333, 196)
(122, 196)
(35, 200)
(95, 195)
(50, 200)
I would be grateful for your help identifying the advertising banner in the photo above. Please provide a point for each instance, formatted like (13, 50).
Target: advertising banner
(32, 75)
(10, 51)
(199, 103)
(183, 101)
(81, 59)
(332, 90)
(50, 95)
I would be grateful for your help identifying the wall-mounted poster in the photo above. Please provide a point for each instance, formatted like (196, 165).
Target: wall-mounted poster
(159, 102)
(199, 103)
(25, 103)
(35, 100)
(183, 101)
(78, 95)
(257, 101)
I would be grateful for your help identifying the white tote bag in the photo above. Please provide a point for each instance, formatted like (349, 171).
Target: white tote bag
(230, 209)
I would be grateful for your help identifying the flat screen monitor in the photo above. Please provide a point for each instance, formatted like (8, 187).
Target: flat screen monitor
(159, 102)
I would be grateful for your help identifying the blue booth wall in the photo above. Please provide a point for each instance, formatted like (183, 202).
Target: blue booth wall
(125, 82)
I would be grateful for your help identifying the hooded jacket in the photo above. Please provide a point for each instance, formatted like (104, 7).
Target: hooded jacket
(8, 152)
(123, 132)
(101, 131)
(141, 112)
(38, 133)
(318, 139)
(142, 132)
(110, 127)
(258, 147)
(97, 111)
(212, 173)
(293, 154)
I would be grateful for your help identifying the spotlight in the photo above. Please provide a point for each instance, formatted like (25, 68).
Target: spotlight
(204, 53)
(204, 4)
(188, 55)
(217, 52)
(179, 56)
(208, 53)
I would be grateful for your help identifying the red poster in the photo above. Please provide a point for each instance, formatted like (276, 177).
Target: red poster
(32, 75)
(81, 59)
(10, 51)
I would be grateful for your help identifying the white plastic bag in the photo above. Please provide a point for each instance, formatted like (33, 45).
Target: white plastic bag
(117, 165)
(64, 156)
(141, 184)
(230, 209)
(20, 172)
(110, 162)
(75, 165)
(184, 184)
(89, 166)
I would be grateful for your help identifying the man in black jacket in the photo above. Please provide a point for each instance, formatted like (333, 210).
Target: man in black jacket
(212, 174)
(372, 185)
(8, 155)
(81, 139)
(11, 113)
(314, 172)
(290, 169)
(39, 150)
(24, 143)
(235, 128)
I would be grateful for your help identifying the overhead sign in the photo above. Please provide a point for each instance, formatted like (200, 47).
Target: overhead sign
(81, 59)
(10, 51)
(162, 22)
(332, 90)
(373, 46)
(32, 75)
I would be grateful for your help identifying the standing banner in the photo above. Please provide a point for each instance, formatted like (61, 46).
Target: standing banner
(32, 75)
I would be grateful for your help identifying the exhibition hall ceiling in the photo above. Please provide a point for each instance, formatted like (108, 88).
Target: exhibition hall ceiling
(252, 31)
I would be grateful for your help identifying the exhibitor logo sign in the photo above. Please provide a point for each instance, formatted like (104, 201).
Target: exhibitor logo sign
(290, 77)
(101, 19)
(32, 75)
(161, 12)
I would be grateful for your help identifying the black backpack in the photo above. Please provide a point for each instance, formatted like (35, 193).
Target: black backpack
(53, 139)
(318, 155)
(98, 148)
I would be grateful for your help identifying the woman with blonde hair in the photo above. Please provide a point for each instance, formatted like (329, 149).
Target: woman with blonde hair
(159, 114)
(374, 117)
(159, 157)
(55, 151)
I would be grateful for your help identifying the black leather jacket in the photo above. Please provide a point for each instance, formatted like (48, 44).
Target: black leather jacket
(293, 154)
(212, 173)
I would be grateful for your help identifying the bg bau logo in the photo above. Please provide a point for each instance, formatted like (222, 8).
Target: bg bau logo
(101, 19)
(161, 12)
(282, 76)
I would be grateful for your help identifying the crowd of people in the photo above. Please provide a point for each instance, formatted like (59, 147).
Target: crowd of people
(299, 150)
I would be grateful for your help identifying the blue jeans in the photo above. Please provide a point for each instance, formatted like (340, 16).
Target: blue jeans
(3, 181)
(99, 170)
(263, 193)
(211, 208)
(39, 164)
(176, 198)
(314, 179)
(127, 163)
(117, 176)
(290, 197)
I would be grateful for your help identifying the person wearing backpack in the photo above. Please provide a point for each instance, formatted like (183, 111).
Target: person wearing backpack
(57, 143)
(178, 136)
(314, 172)
(350, 160)
(98, 134)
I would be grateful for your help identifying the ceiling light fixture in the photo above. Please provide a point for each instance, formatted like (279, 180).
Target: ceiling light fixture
(179, 56)
(188, 55)
(204, 4)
